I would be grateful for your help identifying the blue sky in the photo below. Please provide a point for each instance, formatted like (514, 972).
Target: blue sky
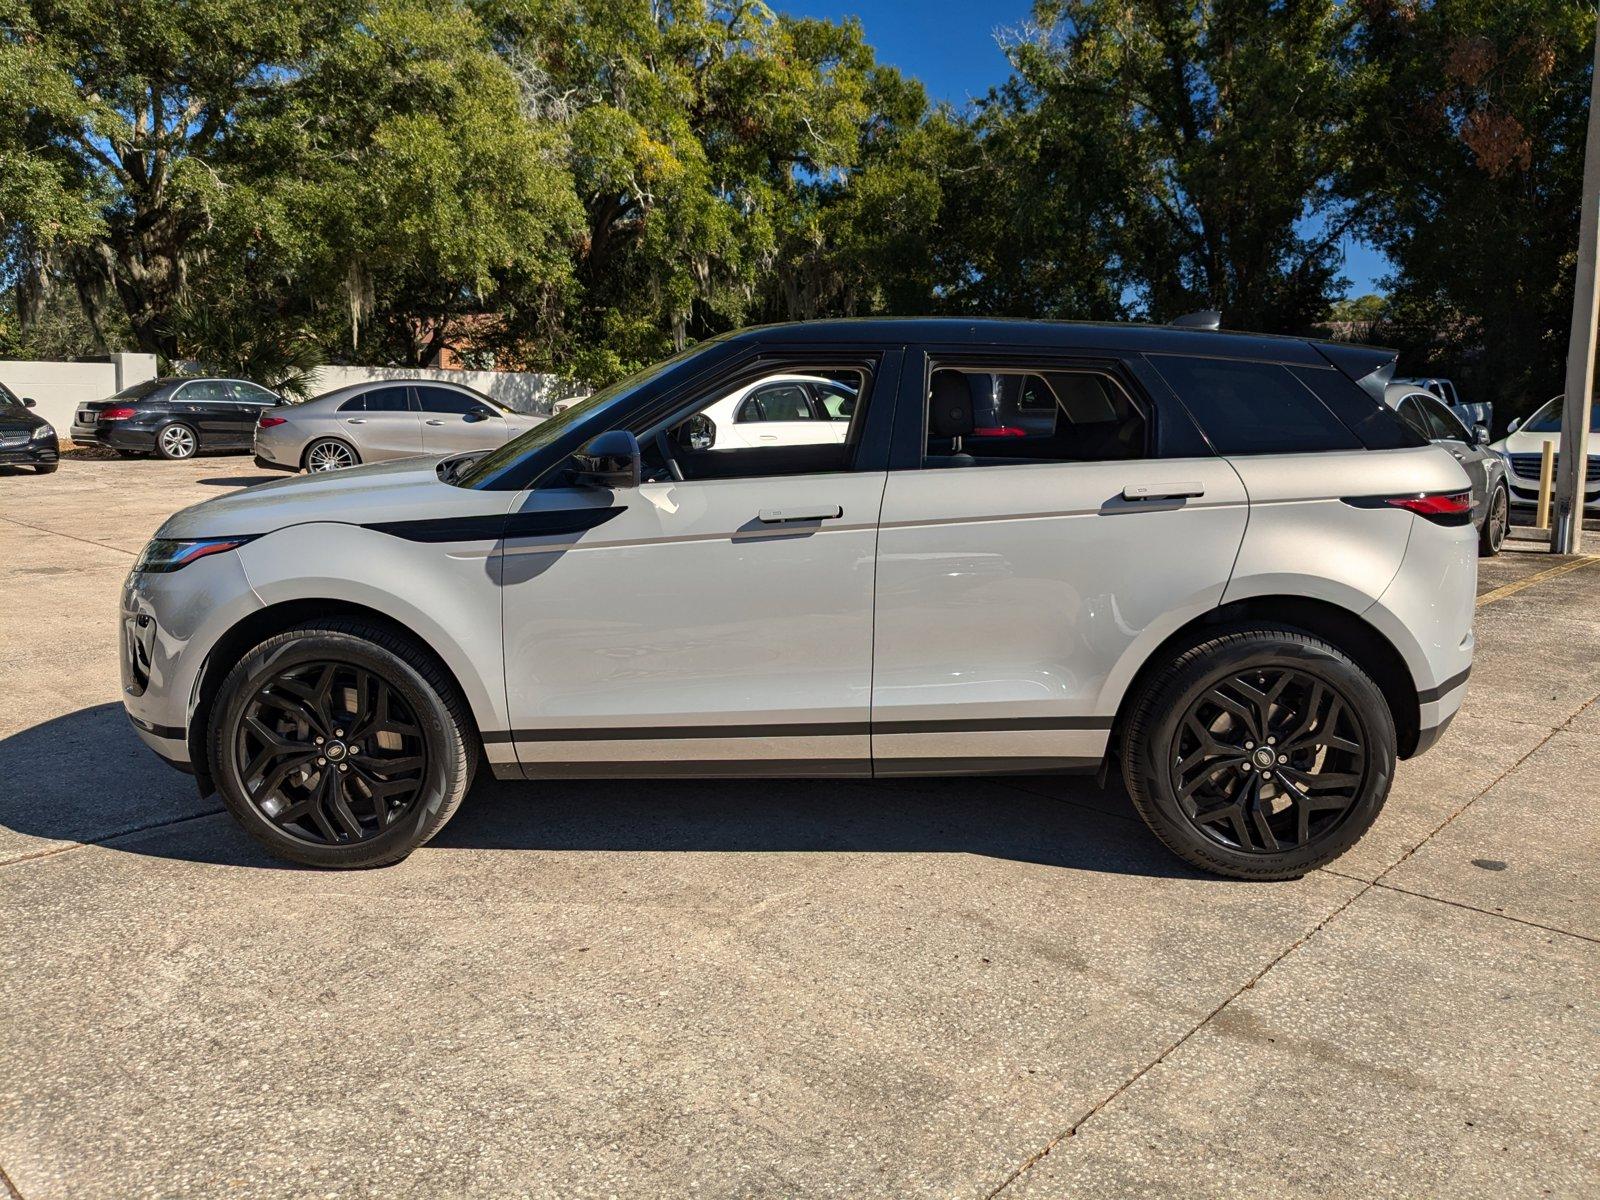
(950, 46)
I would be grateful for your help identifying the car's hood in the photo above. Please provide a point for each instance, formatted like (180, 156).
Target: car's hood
(1526, 442)
(404, 489)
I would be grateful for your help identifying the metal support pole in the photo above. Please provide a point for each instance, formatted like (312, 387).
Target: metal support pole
(1573, 462)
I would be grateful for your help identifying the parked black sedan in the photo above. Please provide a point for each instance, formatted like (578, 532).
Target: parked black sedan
(26, 439)
(175, 417)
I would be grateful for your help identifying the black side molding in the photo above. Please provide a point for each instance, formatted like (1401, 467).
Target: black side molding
(1429, 695)
(496, 525)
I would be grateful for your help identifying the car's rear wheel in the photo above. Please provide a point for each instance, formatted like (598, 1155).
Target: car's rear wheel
(339, 744)
(331, 454)
(1259, 754)
(1496, 522)
(177, 442)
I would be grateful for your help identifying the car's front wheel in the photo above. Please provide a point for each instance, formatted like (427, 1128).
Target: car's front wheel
(340, 744)
(1259, 754)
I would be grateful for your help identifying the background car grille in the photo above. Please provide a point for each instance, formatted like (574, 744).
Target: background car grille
(1527, 465)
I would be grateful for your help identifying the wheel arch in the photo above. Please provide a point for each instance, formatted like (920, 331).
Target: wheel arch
(1349, 631)
(254, 628)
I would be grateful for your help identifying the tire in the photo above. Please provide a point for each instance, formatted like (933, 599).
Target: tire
(330, 454)
(129, 454)
(1244, 819)
(398, 783)
(177, 442)
(1495, 522)
(46, 468)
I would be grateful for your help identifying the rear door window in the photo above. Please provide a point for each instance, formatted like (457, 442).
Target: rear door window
(387, 399)
(1253, 407)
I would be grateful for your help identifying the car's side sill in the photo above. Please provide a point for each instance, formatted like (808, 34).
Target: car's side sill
(807, 768)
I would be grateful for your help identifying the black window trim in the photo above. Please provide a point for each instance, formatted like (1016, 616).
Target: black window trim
(1288, 369)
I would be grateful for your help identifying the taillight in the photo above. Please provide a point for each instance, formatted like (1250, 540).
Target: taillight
(120, 413)
(1442, 508)
(269, 422)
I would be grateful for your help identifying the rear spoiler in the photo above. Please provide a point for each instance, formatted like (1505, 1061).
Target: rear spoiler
(1370, 366)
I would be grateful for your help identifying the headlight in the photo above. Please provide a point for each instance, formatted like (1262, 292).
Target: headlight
(171, 554)
(45, 433)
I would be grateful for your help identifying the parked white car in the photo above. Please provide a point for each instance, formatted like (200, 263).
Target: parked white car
(1036, 547)
(1523, 449)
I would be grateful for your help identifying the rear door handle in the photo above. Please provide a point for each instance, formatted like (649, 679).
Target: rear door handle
(355, 421)
(777, 516)
(1163, 491)
(435, 421)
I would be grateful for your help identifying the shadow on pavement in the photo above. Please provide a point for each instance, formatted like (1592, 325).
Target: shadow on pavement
(240, 481)
(87, 777)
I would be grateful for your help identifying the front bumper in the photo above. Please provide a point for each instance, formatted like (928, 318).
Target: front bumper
(167, 625)
(33, 454)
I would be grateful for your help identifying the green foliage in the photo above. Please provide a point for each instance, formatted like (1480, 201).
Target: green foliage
(1472, 119)
(588, 185)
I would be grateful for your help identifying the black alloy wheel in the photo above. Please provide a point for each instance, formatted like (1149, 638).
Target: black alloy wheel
(1268, 760)
(341, 744)
(1260, 753)
(330, 753)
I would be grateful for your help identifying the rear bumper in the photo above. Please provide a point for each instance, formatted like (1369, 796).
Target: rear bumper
(114, 435)
(266, 464)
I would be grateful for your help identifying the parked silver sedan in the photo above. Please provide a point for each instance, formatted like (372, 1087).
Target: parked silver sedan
(384, 419)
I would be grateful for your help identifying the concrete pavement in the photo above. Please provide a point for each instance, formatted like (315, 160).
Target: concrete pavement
(922, 988)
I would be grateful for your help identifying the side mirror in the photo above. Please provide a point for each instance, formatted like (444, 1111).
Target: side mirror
(699, 432)
(1480, 434)
(1516, 424)
(476, 414)
(609, 461)
(27, 402)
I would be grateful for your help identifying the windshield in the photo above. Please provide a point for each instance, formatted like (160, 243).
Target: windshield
(8, 398)
(1548, 418)
(550, 430)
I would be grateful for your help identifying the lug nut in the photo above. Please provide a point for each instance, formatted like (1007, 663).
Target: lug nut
(344, 766)
(338, 733)
(319, 741)
(322, 762)
(1283, 758)
(1272, 741)
(1249, 745)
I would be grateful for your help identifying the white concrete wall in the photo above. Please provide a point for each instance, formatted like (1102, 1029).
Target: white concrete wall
(524, 391)
(57, 388)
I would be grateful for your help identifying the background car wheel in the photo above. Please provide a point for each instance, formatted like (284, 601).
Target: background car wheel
(47, 468)
(330, 454)
(177, 442)
(1259, 754)
(129, 454)
(1496, 522)
(339, 744)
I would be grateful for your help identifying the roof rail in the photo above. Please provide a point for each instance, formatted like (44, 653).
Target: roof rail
(1206, 318)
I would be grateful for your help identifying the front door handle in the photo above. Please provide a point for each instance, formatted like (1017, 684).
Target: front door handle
(1163, 491)
(777, 516)
(435, 421)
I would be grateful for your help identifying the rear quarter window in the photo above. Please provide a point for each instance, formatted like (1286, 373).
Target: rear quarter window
(1253, 408)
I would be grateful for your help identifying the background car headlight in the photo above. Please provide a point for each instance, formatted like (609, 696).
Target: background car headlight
(172, 554)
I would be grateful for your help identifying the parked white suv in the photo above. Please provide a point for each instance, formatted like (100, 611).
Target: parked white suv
(1215, 562)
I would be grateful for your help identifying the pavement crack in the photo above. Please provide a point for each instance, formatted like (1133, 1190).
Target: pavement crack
(52, 851)
(70, 537)
(1072, 1130)
(1488, 912)
(11, 1188)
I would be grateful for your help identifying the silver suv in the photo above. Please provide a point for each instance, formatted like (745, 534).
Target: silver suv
(1213, 563)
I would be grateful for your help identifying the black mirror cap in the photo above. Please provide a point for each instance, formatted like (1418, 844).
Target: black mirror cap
(27, 402)
(610, 460)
